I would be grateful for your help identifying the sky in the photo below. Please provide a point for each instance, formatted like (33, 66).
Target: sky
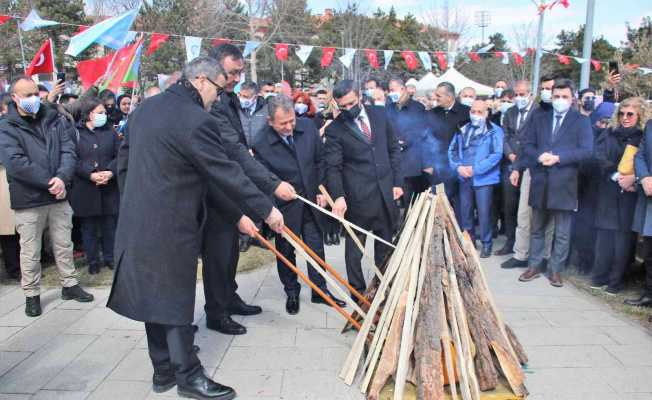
(514, 17)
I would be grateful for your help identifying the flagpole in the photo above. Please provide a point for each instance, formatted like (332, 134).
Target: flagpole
(22, 49)
(537, 62)
(588, 44)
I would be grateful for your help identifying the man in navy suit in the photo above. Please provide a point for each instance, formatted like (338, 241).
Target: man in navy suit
(363, 158)
(557, 142)
(291, 149)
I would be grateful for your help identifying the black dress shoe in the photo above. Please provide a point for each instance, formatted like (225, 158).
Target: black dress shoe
(327, 239)
(513, 263)
(239, 307)
(203, 388)
(93, 269)
(292, 305)
(335, 239)
(643, 301)
(109, 265)
(245, 244)
(508, 248)
(317, 299)
(163, 381)
(225, 325)
(486, 252)
(33, 306)
(76, 293)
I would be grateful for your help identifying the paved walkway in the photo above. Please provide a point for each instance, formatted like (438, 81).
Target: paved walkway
(578, 348)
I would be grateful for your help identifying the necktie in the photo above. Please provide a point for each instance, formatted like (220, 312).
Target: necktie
(521, 117)
(555, 130)
(365, 128)
(290, 141)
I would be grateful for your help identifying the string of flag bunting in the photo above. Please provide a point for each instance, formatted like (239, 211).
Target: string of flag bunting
(115, 33)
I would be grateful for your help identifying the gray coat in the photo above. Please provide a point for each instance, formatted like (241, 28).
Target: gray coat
(254, 122)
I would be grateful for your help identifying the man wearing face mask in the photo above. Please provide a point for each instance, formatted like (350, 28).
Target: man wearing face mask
(545, 95)
(370, 86)
(267, 90)
(362, 158)
(38, 152)
(220, 253)
(467, 96)
(252, 112)
(475, 154)
(587, 101)
(499, 88)
(557, 142)
(181, 163)
(506, 101)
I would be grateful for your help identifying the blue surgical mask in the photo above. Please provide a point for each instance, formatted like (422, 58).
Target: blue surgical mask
(467, 101)
(99, 120)
(521, 102)
(546, 96)
(300, 108)
(561, 105)
(247, 103)
(505, 106)
(369, 93)
(394, 97)
(498, 92)
(477, 121)
(30, 104)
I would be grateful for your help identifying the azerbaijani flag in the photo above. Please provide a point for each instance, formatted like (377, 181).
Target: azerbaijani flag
(123, 71)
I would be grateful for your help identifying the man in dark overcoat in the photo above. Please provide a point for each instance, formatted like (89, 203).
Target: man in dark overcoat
(176, 162)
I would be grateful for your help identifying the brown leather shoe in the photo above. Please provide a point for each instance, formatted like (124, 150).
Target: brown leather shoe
(555, 279)
(530, 274)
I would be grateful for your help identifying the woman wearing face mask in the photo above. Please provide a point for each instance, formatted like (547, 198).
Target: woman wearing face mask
(94, 197)
(616, 200)
(303, 106)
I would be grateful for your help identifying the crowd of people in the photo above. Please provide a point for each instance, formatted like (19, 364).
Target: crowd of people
(199, 169)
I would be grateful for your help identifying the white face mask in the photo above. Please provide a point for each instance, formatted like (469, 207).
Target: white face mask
(498, 92)
(467, 101)
(476, 120)
(546, 96)
(561, 105)
(300, 108)
(99, 120)
(505, 106)
(394, 97)
(521, 102)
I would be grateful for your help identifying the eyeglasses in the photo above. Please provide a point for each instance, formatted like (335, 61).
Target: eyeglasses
(219, 88)
(629, 114)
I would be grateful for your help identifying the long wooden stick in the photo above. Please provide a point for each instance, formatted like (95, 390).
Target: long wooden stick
(326, 266)
(307, 280)
(342, 220)
(355, 238)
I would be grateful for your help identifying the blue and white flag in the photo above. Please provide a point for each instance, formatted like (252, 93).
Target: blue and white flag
(112, 33)
(250, 46)
(425, 60)
(387, 55)
(347, 58)
(34, 21)
(303, 52)
(193, 47)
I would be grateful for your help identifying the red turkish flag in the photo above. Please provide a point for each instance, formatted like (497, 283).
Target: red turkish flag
(4, 18)
(43, 61)
(281, 51)
(518, 58)
(563, 59)
(155, 41)
(474, 56)
(372, 57)
(442, 61)
(410, 60)
(81, 29)
(597, 65)
(218, 41)
(327, 56)
(91, 70)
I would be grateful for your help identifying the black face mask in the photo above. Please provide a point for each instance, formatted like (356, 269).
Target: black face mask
(353, 112)
(588, 105)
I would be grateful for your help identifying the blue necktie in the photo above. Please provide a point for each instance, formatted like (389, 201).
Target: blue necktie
(555, 130)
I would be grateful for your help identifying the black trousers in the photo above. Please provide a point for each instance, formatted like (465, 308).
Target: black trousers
(10, 245)
(353, 255)
(613, 251)
(647, 246)
(90, 226)
(170, 349)
(220, 255)
(511, 195)
(312, 236)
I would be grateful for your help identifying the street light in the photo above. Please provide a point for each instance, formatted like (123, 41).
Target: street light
(482, 20)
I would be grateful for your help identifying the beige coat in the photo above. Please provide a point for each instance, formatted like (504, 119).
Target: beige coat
(7, 224)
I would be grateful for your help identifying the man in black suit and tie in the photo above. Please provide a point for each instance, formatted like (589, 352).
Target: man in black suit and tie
(291, 148)
(557, 142)
(363, 174)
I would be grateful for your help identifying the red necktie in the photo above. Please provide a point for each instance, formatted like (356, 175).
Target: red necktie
(365, 128)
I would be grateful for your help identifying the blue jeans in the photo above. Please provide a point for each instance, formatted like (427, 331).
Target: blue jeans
(472, 198)
(90, 226)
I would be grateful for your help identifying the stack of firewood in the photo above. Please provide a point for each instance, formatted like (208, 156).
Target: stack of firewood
(434, 322)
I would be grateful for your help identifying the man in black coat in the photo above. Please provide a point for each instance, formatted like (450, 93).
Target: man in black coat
(176, 162)
(556, 144)
(363, 174)
(292, 149)
(220, 249)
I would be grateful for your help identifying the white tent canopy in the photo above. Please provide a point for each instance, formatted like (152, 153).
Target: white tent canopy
(430, 82)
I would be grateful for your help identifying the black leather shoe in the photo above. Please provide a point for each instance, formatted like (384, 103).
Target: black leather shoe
(327, 239)
(203, 388)
(225, 325)
(513, 263)
(335, 239)
(508, 248)
(163, 381)
(643, 301)
(317, 299)
(486, 252)
(245, 244)
(33, 306)
(76, 293)
(109, 265)
(239, 307)
(292, 305)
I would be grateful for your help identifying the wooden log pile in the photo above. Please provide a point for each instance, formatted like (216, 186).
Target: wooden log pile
(432, 320)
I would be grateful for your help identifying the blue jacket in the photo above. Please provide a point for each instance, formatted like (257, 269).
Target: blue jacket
(411, 128)
(483, 151)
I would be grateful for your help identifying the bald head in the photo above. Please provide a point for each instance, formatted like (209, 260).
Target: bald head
(480, 108)
(24, 88)
(522, 88)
